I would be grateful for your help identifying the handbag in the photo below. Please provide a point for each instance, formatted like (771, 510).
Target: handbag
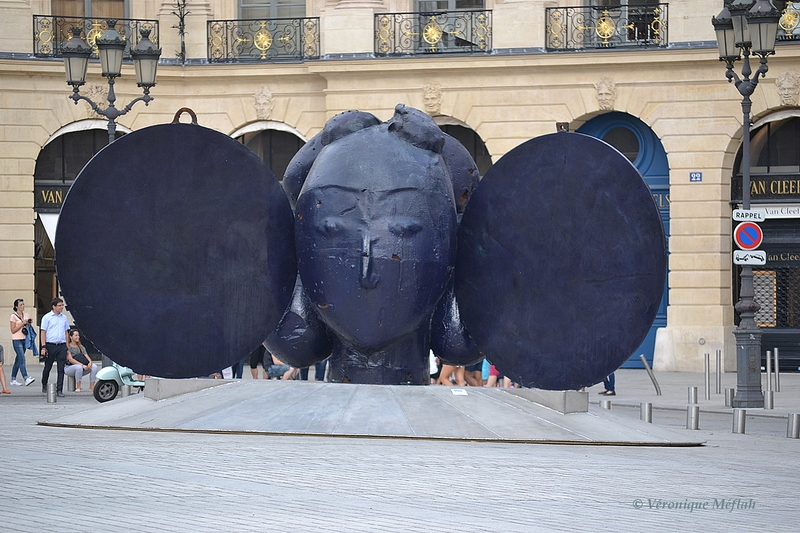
(82, 359)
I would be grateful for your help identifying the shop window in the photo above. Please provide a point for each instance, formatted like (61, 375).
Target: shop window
(63, 158)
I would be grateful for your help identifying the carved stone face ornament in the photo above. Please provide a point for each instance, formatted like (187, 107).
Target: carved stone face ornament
(788, 85)
(432, 98)
(606, 93)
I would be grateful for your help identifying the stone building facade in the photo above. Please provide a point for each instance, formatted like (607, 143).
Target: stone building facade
(658, 91)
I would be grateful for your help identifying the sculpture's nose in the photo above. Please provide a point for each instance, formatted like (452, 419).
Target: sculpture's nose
(369, 279)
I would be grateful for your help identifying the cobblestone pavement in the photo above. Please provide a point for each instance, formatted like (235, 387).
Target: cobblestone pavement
(61, 479)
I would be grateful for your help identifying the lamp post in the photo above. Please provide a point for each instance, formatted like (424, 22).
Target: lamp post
(743, 28)
(111, 46)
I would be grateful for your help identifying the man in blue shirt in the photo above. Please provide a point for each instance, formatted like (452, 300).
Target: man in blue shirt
(54, 343)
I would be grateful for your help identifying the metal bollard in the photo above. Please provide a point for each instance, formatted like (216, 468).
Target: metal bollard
(769, 370)
(769, 399)
(777, 373)
(729, 394)
(793, 426)
(739, 419)
(708, 376)
(71, 383)
(692, 394)
(126, 390)
(646, 412)
(693, 417)
(650, 373)
(51, 393)
(605, 404)
(719, 371)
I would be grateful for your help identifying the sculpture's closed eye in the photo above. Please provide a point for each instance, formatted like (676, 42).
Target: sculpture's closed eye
(404, 226)
(330, 225)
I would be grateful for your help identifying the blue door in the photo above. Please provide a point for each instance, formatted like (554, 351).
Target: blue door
(638, 143)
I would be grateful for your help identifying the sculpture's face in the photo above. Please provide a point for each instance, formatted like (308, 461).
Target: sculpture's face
(375, 229)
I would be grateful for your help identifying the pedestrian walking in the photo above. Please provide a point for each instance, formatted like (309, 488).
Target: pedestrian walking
(54, 344)
(21, 330)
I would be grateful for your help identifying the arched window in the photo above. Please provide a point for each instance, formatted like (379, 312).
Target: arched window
(62, 159)
(473, 143)
(775, 187)
(276, 148)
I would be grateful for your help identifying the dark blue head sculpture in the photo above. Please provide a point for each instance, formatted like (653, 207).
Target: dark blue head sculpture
(554, 273)
(375, 232)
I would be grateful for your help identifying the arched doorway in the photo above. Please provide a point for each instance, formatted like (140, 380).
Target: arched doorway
(636, 141)
(775, 188)
(276, 144)
(471, 141)
(60, 161)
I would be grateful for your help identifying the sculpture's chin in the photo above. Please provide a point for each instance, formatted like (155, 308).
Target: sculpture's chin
(369, 335)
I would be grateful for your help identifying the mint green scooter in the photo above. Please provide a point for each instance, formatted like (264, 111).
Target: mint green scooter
(110, 380)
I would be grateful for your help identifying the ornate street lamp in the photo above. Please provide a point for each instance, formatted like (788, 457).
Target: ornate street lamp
(743, 28)
(110, 46)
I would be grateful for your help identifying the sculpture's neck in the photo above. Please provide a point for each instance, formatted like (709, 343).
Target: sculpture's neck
(404, 361)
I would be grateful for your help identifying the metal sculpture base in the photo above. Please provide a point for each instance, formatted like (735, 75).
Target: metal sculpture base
(366, 411)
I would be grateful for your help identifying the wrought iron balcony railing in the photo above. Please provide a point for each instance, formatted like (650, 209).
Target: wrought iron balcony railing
(51, 32)
(433, 33)
(789, 24)
(578, 28)
(263, 40)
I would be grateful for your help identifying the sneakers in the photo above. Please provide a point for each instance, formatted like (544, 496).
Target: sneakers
(16, 383)
(44, 388)
(60, 394)
(29, 380)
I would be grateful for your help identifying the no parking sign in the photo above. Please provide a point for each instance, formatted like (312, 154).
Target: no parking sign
(748, 236)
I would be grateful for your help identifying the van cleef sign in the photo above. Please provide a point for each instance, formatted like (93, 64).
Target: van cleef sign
(783, 258)
(772, 187)
(49, 198)
(783, 211)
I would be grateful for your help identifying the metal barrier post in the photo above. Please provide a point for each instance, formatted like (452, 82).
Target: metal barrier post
(692, 394)
(646, 412)
(708, 375)
(777, 373)
(729, 394)
(793, 426)
(769, 370)
(650, 373)
(693, 417)
(71, 383)
(51, 393)
(719, 371)
(739, 420)
(126, 390)
(769, 402)
(605, 404)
